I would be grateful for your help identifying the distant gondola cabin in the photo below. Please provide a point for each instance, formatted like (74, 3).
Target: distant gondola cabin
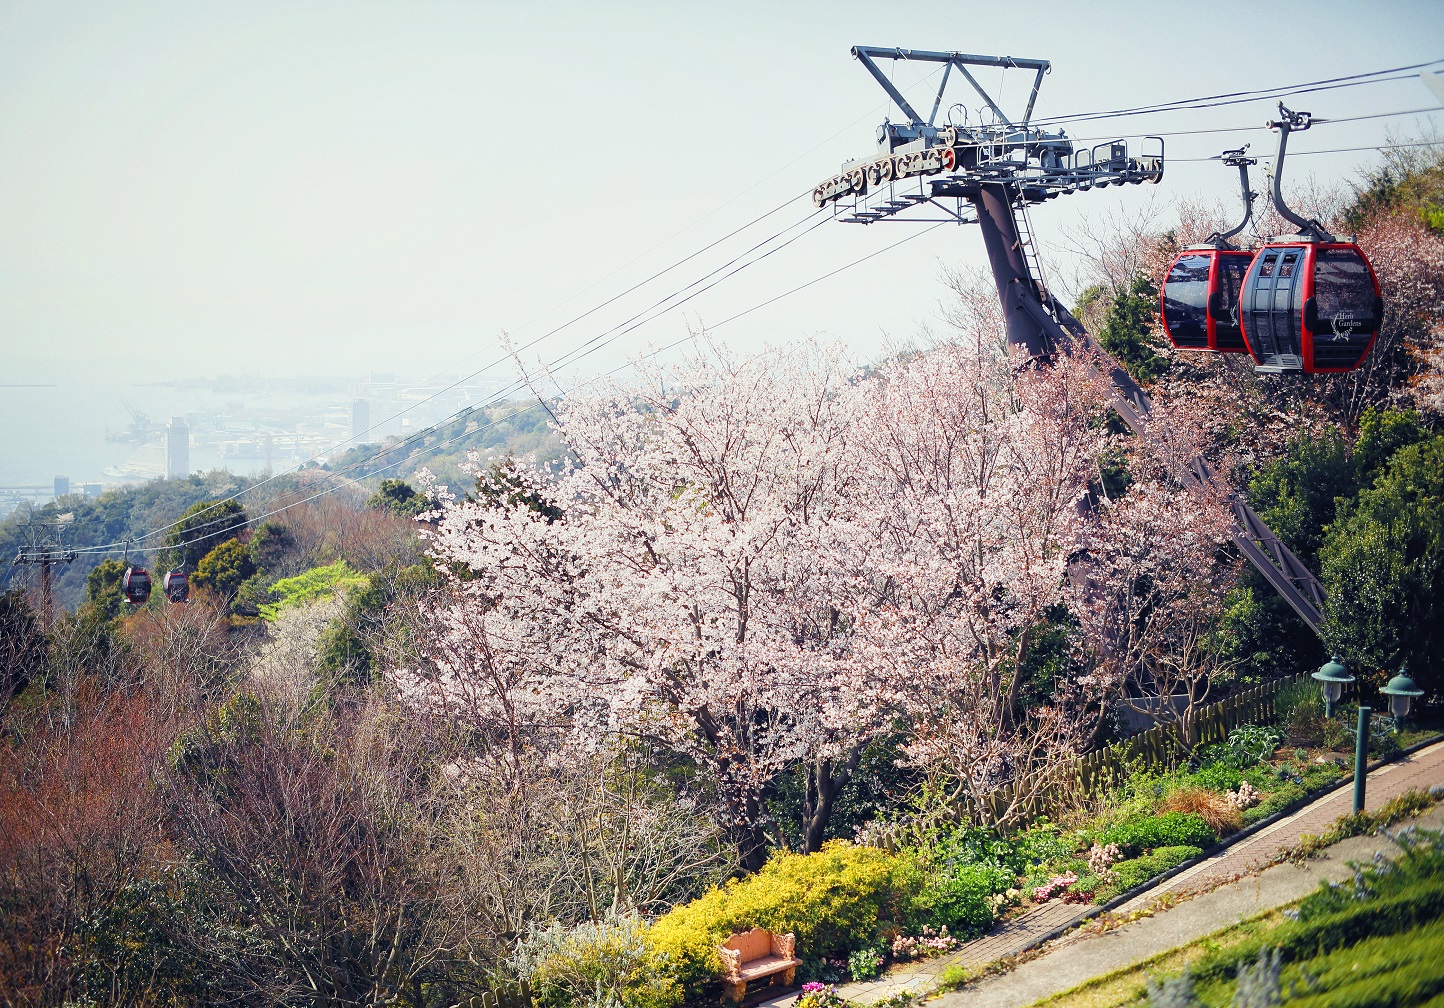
(135, 585)
(176, 586)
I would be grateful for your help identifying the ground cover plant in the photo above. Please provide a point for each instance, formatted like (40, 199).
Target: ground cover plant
(1370, 940)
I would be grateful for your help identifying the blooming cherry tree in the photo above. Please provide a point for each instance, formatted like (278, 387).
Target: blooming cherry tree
(766, 564)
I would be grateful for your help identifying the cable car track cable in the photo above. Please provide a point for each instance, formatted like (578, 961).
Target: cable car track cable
(97, 550)
(656, 310)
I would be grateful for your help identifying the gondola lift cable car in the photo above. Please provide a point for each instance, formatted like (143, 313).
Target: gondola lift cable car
(1310, 301)
(176, 585)
(135, 582)
(1200, 292)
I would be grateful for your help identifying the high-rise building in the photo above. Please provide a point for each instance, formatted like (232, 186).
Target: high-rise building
(177, 448)
(62, 486)
(360, 419)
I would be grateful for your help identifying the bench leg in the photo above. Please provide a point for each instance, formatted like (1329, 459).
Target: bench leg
(734, 992)
(788, 976)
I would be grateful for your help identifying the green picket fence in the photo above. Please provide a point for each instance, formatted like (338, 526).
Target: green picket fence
(1163, 744)
(1104, 767)
(507, 996)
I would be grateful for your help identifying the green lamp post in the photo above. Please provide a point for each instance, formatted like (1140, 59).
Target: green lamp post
(1401, 691)
(1333, 676)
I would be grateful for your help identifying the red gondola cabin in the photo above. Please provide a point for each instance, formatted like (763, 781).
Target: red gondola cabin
(1199, 298)
(1311, 306)
(135, 585)
(176, 586)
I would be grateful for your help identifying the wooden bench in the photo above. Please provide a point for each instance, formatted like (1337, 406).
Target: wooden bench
(753, 955)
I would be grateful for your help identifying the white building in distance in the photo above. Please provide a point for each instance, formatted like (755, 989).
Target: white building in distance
(177, 448)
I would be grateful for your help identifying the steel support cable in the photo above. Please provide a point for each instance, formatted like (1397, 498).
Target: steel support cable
(510, 388)
(1317, 121)
(659, 308)
(882, 106)
(1339, 150)
(1237, 97)
(573, 388)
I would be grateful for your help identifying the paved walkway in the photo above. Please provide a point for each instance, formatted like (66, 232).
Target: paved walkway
(1422, 769)
(1075, 959)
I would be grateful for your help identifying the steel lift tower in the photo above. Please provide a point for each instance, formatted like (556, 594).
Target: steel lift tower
(45, 549)
(989, 173)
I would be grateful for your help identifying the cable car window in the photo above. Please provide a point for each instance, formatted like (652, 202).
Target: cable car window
(1344, 293)
(1185, 301)
(1231, 270)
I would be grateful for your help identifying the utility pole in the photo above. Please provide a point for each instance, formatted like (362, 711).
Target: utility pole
(48, 551)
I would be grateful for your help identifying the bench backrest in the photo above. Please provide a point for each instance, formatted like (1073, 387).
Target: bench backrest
(754, 944)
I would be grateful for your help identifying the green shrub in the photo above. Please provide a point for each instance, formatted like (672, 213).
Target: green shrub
(1171, 829)
(316, 583)
(834, 901)
(1127, 874)
(958, 899)
(864, 963)
(1384, 744)
(1217, 777)
(605, 963)
(1281, 797)
(1041, 843)
(1250, 744)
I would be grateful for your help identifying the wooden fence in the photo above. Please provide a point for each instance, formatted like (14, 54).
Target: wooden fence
(507, 996)
(1102, 768)
(1163, 744)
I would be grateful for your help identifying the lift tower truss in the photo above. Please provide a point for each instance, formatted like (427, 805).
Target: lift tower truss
(45, 549)
(989, 173)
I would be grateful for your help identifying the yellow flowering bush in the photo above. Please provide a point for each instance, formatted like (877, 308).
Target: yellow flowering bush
(835, 900)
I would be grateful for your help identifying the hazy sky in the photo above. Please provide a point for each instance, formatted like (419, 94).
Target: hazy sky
(191, 188)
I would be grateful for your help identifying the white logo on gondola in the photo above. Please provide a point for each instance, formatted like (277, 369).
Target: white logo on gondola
(1346, 324)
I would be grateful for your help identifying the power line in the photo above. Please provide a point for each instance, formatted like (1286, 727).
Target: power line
(1240, 97)
(661, 306)
(652, 353)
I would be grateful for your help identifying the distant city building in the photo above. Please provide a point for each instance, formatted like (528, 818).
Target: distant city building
(62, 486)
(360, 419)
(177, 448)
(269, 446)
(90, 489)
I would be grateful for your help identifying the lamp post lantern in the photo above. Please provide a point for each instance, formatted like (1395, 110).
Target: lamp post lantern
(1333, 676)
(1401, 691)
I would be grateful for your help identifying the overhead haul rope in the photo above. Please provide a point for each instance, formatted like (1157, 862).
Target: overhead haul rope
(659, 308)
(571, 389)
(1240, 97)
(1179, 105)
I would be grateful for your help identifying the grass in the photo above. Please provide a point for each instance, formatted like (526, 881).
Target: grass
(1372, 943)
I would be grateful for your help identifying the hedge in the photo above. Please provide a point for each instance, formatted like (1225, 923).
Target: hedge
(835, 900)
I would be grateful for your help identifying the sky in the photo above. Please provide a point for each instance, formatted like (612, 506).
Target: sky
(278, 188)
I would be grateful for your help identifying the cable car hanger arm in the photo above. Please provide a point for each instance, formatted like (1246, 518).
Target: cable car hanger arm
(1290, 122)
(1237, 159)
